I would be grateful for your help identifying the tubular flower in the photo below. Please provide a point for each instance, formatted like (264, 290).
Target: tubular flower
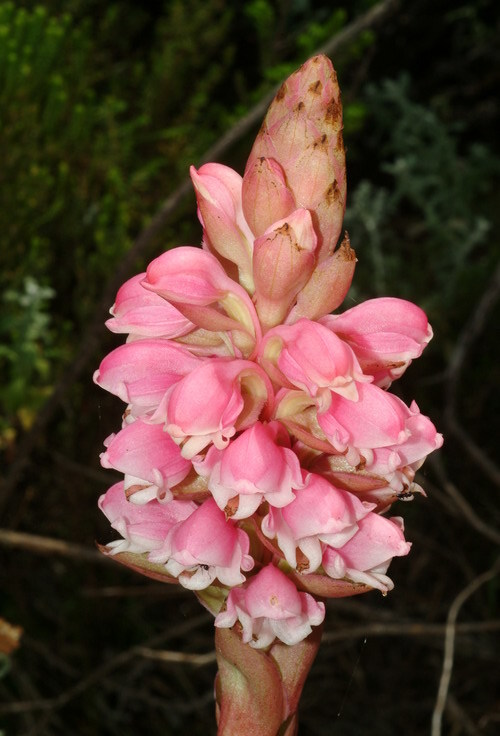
(270, 606)
(260, 444)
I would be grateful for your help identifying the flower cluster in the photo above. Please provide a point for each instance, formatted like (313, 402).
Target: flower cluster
(260, 445)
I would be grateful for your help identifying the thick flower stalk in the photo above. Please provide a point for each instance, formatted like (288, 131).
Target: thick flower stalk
(260, 448)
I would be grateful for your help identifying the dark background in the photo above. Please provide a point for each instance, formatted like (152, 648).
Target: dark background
(102, 107)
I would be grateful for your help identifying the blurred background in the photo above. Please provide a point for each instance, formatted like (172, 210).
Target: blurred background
(103, 106)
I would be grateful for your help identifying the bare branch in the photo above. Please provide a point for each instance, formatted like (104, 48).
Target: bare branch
(49, 546)
(51, 705)
(161, 655)
(471, 332)
(410, 628)
(449, 645)
(461, 503)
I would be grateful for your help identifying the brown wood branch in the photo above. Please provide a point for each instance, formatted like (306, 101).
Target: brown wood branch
(460, 502)
(472, 330)
(101, 672)
(49, 546)
(449, 644)
(93, 335)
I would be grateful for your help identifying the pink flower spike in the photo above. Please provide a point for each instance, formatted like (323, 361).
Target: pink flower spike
(195, 282)
(140, 372)
(310, 360)
(320, 514)
(204, 547)
(149, 457)
(145, 314)
(214, 401)
(143, 527)
(386, 334)
(218, 191)
(283, 262)
(366, 557)
(266, 196)
(253, 467)
(270, 606)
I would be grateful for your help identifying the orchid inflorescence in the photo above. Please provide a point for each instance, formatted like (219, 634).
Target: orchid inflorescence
(260, 447)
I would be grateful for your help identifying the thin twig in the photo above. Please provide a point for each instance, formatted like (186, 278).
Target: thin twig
(470, 333)
(412, 629)
(460, 717)
(49, 546)
(103, 670)
(92, 337)
(461, 503)
(449, 645)
(162, 655)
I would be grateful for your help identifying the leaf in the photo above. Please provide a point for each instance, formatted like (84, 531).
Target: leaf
(140, 563)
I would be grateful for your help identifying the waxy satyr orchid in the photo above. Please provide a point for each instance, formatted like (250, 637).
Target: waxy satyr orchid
(260, 447)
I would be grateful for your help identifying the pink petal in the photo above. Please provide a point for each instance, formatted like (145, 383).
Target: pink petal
(195, 282)
(143, 527)
(145, 314)
(311, 360)
(218, 191)
(147, 452)
(378, 540)
(386, 334)
(377, 419)
(140, 372)
(271, 606)
(252, 464)
(207, 403)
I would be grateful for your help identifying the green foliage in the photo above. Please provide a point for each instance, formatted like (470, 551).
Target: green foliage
(190, 62)
(64, 153)
(26, 354)
(437, 189)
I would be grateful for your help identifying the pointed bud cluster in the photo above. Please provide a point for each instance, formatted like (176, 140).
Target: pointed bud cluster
(259, 443)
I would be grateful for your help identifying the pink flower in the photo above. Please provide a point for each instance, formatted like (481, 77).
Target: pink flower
(195, 282)
(213, 402)
(377, 419)
(140, 372)
(266, 197)
(386, 334)
(225, 230)
(270, 606)
(143, 527)
(283, 262)
(150, 459)
(320, 514)
(145, 314)
(367, 555)
(310, 357)
(253, 467)
(204, 547)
